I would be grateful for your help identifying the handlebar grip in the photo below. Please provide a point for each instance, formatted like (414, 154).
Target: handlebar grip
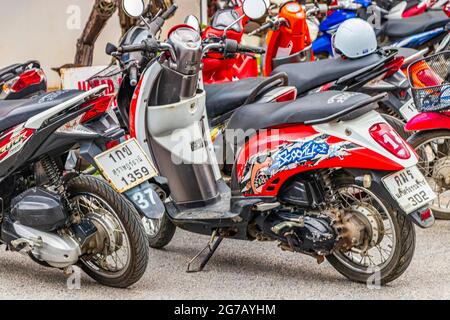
(133, 76)
(170, 12)
(247, 49)
(132, 48)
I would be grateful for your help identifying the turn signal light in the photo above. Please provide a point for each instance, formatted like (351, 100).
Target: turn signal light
(389, 139)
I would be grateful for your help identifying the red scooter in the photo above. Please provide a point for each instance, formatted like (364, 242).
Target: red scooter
(288, 41)
(324, 176)
(228, 67)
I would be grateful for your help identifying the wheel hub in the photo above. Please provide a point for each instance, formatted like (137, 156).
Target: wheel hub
(360, 227)
(107, 239)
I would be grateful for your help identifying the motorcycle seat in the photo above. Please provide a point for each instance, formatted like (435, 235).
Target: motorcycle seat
(225, 97)
(15, 112)
(312, 109)
(427, 21)
(306, 76)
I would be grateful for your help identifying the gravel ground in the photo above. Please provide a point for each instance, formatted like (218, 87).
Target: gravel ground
(239, 270)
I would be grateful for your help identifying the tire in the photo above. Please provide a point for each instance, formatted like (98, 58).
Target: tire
(164, 236)
(418, 139)
(129, 218)
(400, 258)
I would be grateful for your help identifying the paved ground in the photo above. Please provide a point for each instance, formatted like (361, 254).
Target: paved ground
(240, 270)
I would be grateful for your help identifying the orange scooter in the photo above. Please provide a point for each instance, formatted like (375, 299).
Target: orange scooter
(288, 39)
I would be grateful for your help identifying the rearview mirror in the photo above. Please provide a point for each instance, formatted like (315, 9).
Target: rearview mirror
(133, 8)
(255, 9)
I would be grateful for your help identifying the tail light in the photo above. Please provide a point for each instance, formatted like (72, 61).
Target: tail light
(289, 95)
(100, 106)
(390, 140)
(26, 79)
(393, 66)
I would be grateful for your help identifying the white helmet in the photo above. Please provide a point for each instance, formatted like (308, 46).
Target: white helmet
(355, 38)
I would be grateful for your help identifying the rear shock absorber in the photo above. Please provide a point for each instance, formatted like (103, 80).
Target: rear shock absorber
(327, 182)
(55, 179)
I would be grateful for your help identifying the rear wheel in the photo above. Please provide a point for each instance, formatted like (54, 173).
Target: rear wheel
(117, 255)
(385, 251)
(433, 148)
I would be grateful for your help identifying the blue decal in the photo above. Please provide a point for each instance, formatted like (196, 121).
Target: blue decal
(294, 155)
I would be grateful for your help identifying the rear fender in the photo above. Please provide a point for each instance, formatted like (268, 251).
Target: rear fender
(429, 121)
(271, 158)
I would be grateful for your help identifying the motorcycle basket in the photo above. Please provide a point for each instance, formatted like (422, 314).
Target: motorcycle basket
(430, 82)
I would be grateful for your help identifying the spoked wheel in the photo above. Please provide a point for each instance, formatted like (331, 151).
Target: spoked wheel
(376, 245)
(433, 149)
(117, 255)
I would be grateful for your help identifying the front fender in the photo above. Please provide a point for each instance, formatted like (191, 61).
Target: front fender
(322, 45)
(429, 121)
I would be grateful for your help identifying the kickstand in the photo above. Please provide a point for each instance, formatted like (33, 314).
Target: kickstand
(211, 247)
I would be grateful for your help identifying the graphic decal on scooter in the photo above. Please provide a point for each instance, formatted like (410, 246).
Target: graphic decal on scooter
(264, 166)
(13, 140)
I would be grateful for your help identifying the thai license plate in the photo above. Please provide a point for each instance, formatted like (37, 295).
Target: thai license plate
(409, 110)
(125, 166)
(410, 188)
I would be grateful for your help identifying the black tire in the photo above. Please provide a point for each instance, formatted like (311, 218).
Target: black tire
(418, 139)
(402, 255)
(129, 217)
(164, 236)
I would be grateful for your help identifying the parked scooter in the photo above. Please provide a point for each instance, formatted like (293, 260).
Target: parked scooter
(63, 218)
(22, 81)
(320, 175)
(361, 67)
(430, 80)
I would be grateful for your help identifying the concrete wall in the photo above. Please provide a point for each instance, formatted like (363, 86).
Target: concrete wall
(47, 30)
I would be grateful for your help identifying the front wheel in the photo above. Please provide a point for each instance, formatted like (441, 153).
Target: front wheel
(381, 253)
(159, 232)
(117, 255)
(433, 148)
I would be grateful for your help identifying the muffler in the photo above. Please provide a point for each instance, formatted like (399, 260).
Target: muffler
(58, 251)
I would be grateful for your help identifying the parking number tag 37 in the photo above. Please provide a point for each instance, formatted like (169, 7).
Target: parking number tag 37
(125, 166)
(147, 200)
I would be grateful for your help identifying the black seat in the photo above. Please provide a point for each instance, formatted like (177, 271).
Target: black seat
(15, 112)
(312, 109)
(427, 21)
(310, 75)
(226, 97)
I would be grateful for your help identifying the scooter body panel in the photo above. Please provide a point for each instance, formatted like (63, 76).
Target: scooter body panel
(429, 121)
(266, 162)
(419, 39)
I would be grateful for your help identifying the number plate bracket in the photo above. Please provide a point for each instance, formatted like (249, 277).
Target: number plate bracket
(146, 200)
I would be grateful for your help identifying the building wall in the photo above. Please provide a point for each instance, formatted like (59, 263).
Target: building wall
(47, 30)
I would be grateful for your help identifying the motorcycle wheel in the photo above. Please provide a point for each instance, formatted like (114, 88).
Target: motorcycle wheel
(125, 253)
(433, 148)
(390, 257)
(159, 232)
